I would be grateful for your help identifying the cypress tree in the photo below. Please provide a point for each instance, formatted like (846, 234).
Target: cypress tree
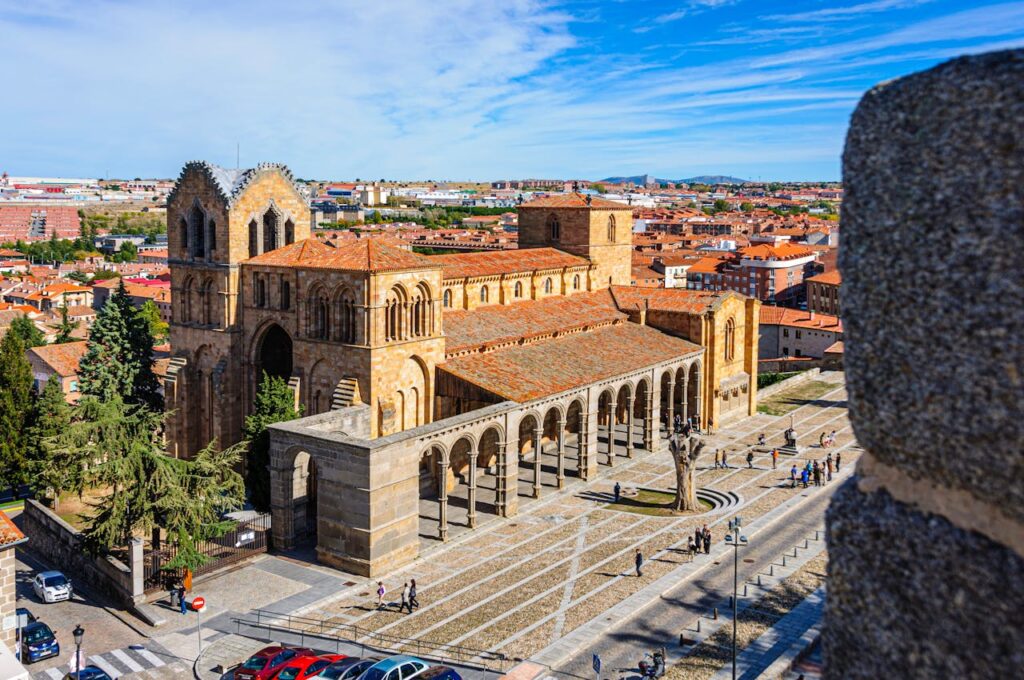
(275, 403)
(51, 473)
(65, 328)
(16, 410)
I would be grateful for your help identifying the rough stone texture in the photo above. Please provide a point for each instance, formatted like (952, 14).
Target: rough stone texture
(933, 227)
(8, 576)
(912, 596)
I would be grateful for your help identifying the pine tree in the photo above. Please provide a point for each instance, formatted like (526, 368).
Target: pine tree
(275, 403)
(65, 328)
(16, 410)
(27, 332)
(50, 473)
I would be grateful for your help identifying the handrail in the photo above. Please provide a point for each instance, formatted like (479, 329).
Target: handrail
(326, 628)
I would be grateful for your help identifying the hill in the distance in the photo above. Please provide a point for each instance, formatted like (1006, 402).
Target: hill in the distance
(700, 179)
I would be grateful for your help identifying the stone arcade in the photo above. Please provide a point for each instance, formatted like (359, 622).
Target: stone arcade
(435, 388)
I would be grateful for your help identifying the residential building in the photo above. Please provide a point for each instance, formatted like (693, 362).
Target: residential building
(58, 360)
(787, 332)
(823, 292)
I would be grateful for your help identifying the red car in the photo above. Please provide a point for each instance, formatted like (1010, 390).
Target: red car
(265, 663)
(303, 667)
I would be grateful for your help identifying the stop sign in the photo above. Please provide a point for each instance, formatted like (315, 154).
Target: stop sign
(198, 604)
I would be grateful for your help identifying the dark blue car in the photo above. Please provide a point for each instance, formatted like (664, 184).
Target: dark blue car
(38, 642)
(439, 673)
(88, 673)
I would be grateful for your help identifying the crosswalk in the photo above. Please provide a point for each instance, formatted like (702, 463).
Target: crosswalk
(115, 663)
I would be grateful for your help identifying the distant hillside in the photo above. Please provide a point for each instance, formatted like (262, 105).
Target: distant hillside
(642, 180)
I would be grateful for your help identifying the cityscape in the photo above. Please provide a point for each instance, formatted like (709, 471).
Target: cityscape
(278, 403)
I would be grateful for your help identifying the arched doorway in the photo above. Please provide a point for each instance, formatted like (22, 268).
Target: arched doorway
(606, 408)
(274, 354)
(574, 439)
(433, 493)
(643, 413)
(529, 455)
(304, 494)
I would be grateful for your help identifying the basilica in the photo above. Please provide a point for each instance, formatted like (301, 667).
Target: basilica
(437, 388)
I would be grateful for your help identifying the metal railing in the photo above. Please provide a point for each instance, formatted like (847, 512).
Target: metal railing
(330, 629)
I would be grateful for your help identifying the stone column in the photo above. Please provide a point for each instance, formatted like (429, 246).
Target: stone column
(934, 353)
(511, 478)
(684, 407)
(501, 482)
(649, 424)
(587, 464)
(442, 500)
(471, 516)
(538, 450)
(561, 453)
(629, 425)
(671, 402)
(611, 433)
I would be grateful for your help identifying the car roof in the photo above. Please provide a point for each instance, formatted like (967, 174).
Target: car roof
(37, 624)
(396, 660)
(435, 670)
(50, 573)
(269, 651)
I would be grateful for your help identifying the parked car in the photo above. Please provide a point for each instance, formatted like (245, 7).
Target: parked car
(21, 611)
(347, 669)
(52, 586)
(396, 667)
(265, 663)
(88, 673)
(439, 673)
(38, 642)
(304, 667)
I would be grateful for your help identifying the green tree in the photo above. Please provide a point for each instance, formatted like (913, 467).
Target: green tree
(129, 252)
(746, 206)
(16, 410)
(51, 473)
(157, 326)
(599, 188)
(275, 403)
(721, 205)
(65, 328)
(27, 332)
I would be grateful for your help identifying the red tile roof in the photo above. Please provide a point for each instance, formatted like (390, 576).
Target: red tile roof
(831, 277)
(63, 359)
(668, 299)
(783, 251)
(526, 372)
(493, 263)
(786, 316)
(500, 324)
(574, 200)
(9, 534)
(366, 255)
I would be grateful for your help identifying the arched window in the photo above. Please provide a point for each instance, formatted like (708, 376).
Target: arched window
(346, 318)
(547, 285)
(448, 298)
(395, 315)
(321, 319)
(254, 239)
(286, 295)
(261, 292)
(289, 232)
(186, 302)
(270, 228)
(198, 228)
(483, 294)
(554, 228)
(611, 229)
(730, 340)
(208, 295)
(576, 282)
(518, 290)
(421, 311)
(211, 229)
(184, 235)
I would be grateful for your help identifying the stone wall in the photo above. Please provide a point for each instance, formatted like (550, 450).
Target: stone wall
(788, 383)
(60, 545)
(8, 576)
(926, 577)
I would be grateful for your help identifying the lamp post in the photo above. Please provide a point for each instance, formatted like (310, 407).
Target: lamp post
(734, 539)
(78, 633)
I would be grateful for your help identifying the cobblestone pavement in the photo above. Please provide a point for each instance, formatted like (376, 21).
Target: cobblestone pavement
(566, 559)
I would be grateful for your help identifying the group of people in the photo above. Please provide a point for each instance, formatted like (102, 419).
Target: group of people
(688, 426)
(409, 601)
(820, 473)
(827, 440)
(700, 541)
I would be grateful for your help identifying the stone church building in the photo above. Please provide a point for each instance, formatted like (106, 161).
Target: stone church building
(433, 388)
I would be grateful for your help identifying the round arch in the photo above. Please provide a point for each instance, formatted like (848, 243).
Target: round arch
(272, 353)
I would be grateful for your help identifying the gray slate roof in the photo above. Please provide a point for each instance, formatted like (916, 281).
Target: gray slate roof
(231, 182)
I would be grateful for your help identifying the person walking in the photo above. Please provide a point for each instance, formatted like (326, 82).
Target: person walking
(828, 467)
(698, 538)
(381, 590)
(687, 428)
(413, 602)
(817, 474)
(639, 560)
(181, 599)
(760, 439)
(832, 438)
(617, 490)
(691, 547)
(792, 477)
(711, 426)
(804, 476)
(821, 441)
(405, 599)
(775, 458)
(707, 540)
(677, 423)
(839, 459)
(750, 459)
(718, 459)
(725, 461)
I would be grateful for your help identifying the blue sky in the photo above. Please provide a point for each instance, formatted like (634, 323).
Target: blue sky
(463, 89)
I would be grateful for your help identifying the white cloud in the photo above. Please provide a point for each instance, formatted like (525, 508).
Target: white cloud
(836, 13)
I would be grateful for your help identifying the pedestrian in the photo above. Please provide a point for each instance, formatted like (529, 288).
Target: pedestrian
(618, 491)
(804, 476)
(405, 599)
(718, 458)
(828, 466)
(691, 547)
(775, 458)
(821, 441)
(711, 426)
(707, 540)
(817, 474)
(839, 459)
(413, 602)
(725, 463)
(832, 438)
(687, 428)
(698, 537)
(639, 563)
(181, 599)
(750, 459)
(677, 423)
(380, 594)
(760, 439)
(792, 477)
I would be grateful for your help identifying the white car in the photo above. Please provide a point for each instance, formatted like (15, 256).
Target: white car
(52, 586)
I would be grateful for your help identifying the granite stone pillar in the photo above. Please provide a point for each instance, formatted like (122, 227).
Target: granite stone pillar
(611, 432)
(471, 515)
(560, 477)
(629, 426)
(538, 455)
(442, 500)
(926, 542)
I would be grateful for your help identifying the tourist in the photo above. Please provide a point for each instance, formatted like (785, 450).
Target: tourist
(707, 540)
(380, 594)
(711, 426)
(413, 602)
(775, 458)
(750, 459)
(687, 428)
(817, 474)
(792, 477)
(828, 466)
(761, 439)
(617, 490)
(405, 599)
(639, 560)
(181, 598)
(691, 547)
(821, 441)
(804, 476)
(698, 536)
(832, 438)
(677, 423)
(718, 459)
(839, 459)
(725, 461)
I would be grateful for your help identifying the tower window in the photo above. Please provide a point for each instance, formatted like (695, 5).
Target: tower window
(576, 282)
(198, 229)
(289, 232)
(286, 295)
(448, 298)
(611, 229)
(518, 290)
(261, 292)
(184, 235)
(270, 228)
(212, 238)
(483, 294)
(547, 285)
(254, 239)
(554, 228)
(730, 339)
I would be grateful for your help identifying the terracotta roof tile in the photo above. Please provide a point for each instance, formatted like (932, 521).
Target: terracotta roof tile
(787, 316)
(668, 299)
(499, 324)
(493, 263)
(831, 277)
(783, 251)
(574, 200)
(9, 534)
(526, 372)
(366, 255)
(63, 359)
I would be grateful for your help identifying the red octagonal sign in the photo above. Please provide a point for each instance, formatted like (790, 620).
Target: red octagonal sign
(198, 604)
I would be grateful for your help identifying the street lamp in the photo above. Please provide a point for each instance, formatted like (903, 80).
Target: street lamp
(734, 539)
(78, 633)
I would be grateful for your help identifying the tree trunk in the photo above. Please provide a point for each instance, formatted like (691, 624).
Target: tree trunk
(684, 455)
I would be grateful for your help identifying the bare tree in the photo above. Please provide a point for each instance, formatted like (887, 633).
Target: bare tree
(684, 455)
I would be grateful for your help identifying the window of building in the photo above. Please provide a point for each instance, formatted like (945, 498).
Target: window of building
(286, 294)
(184, 234)
(554, 228)
(74, 385)
(785, 351)
(198, 229)
(212, 239)
(785, 332)
(547, 285)
(254, 239)
(730, 339)
(799, 353)
(261, 292)
(611, 229)
(799, 334)
(517, 290)
(448, 298)
(576, 282)
(289, 232)
(483, 294)
(270, 227)
(396, 325)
